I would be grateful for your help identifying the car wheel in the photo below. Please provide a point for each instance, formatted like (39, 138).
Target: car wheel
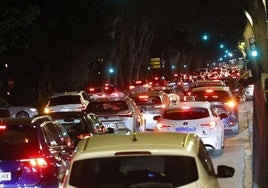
(22, 114)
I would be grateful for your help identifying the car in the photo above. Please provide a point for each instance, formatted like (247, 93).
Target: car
(151, 103)
(18, 111)
(194, 117)
(79, 125)
(144, 160)
(67, 101)
(223, 100)
(106, 91)
(119, 115)
(139, 86)
(34, 152)
(113, 91)
(96, 92)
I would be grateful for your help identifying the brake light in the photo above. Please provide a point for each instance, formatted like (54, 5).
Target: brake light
(209, 91)
(185, 107)
(138, 82)
(2, 127)
(35, 162)
(91, 89)
(211, 124)
(83, 107)
(143, 97)
(131, 87)
(160, 106)
(160, 126)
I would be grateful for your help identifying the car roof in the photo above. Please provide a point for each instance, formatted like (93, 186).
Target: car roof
(149, 93)
(217, 88)
(67, 93)
(154, 143)
(25, 121)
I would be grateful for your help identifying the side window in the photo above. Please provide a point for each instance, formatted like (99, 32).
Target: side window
(205, 159)
(55, 135)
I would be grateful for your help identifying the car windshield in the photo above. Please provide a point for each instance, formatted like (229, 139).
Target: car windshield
(17, 141)
(164, 171)
(183, 114)
(61, 100)
(221, 96)
(108, 106)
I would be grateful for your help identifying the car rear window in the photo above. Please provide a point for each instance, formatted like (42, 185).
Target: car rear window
(211, 96)
(17, 141)
(161, 171)
(183, 114)
(144, 100)
(68, 99)
(108, 106)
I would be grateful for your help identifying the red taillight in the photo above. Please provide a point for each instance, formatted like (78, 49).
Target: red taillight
(160, 126)
(2, 127)
(209, 91)
(83, 107)
(91, 89)
(35, 162)
(160, 106)
(138, 82)
(131, 87)
(211, 124)
(143, 97)
(185, 107)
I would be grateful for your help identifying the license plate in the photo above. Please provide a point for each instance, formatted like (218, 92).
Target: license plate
(5, 176)
(185, 129)
(111, 125)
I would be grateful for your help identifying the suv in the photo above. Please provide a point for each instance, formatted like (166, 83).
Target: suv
(67, 101)
(144, 160)
(151, 103)
(119, 115)
(34, 152)
(223, 101)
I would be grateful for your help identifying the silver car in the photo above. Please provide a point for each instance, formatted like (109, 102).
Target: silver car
(18, 111)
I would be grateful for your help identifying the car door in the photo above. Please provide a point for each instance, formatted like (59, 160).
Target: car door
(60, 145)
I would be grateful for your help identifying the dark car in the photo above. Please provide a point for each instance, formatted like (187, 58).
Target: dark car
(34, 152)
(79, 125)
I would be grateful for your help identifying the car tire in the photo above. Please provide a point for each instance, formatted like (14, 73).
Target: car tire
(22, 114)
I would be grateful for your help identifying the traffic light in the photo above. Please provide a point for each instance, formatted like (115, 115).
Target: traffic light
(253, 48)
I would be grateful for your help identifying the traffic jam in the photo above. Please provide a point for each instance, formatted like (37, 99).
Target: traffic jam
(106, 136)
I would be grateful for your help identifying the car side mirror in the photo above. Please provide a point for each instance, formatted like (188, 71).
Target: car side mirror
(224, 171)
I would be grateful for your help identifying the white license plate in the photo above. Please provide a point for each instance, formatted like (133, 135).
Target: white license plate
(186, 129)
(5, 176)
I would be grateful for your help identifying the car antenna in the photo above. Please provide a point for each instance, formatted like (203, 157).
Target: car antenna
(134, 139)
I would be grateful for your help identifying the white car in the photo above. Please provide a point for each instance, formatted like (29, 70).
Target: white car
(194, 117)
(144, 160)
(71, 101)
(120, 114)
(151, 103)
(18, 111)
